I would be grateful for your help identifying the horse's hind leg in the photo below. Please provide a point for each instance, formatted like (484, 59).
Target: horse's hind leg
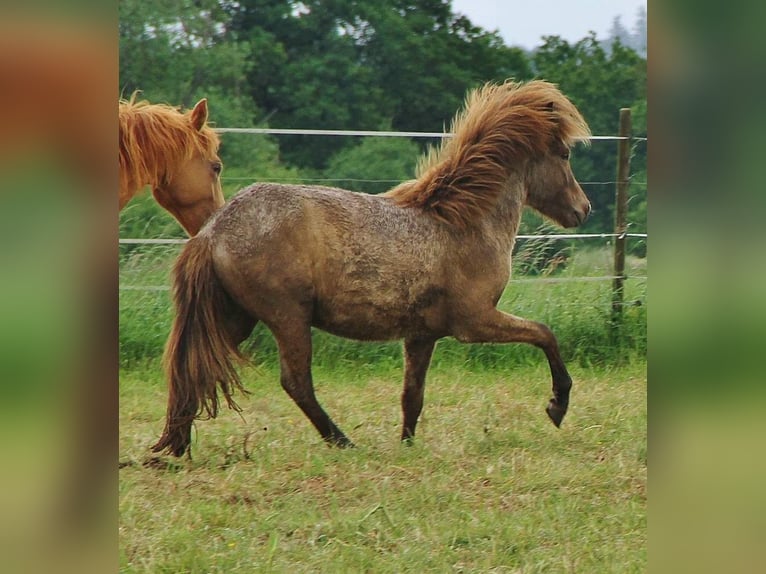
(499, 327)
(238, 325)
(294, 340)
(417, 357)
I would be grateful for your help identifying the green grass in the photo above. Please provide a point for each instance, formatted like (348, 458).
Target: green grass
(489, 485)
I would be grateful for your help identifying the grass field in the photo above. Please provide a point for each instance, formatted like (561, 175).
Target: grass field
(490, 485)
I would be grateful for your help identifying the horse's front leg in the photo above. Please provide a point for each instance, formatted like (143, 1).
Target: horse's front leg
(417, 357)
(497, 327)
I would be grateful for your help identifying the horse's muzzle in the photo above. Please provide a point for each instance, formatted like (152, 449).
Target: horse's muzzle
(582, 214)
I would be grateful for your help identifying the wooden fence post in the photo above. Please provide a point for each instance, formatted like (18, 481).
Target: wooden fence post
(620, 215)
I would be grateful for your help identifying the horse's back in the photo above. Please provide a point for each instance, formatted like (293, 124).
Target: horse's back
(363, 267)
(331, 224)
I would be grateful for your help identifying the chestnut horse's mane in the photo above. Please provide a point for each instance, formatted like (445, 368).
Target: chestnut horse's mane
(154, 139)
(499, 126)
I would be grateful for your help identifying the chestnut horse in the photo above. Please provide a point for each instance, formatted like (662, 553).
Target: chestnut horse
(176, 154)
(426, 260)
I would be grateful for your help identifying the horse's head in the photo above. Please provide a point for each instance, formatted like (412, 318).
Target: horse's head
(192, 191)
(553, 190)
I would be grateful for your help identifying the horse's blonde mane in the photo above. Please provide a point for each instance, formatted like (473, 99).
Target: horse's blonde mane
(499, 126)
(154, 139)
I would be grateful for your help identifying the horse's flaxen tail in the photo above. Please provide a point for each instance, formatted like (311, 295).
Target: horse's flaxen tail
(199, 352)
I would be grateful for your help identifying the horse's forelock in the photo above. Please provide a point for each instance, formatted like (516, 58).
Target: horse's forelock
(155, 138)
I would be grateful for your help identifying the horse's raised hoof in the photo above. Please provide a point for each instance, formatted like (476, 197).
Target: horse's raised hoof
(555, 412)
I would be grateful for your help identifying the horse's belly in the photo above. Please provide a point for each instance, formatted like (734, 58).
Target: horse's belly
(364, 323)
(372, 321)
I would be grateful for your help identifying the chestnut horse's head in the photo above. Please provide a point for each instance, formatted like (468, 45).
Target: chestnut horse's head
(553, 190)
(176, 154)
(191, 191)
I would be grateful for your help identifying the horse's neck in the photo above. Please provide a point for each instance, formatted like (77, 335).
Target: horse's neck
(505, 219)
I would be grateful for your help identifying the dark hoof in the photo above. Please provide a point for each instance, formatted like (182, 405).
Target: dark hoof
(340, 442)
(555, 412)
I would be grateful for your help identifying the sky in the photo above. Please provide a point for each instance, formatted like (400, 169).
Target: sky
(524, 22)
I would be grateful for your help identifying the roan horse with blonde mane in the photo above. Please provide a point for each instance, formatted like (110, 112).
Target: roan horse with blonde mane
(176, 154)
(428, 259)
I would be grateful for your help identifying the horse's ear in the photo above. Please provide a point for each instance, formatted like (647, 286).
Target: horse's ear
(199, 114)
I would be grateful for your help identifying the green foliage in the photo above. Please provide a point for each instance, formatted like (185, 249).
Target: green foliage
(144, 218)
(174, 51)
(358, 65)
(250, 158)
(374, 165)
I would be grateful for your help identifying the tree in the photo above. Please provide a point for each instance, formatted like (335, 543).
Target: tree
(346, 64)
(176, 50)
(638, 36)
(307, 73)
(618, 33)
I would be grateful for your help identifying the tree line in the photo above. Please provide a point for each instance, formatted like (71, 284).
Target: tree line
(372, 65)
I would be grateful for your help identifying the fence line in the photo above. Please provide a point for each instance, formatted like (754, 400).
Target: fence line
(572, 279)
(551, 236)
(360, 180)
(543, 280)
(152, 241)
(583, 236)
(304, 132)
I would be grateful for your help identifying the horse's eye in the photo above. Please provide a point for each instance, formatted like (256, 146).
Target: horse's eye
(217, 167)
(565, 155)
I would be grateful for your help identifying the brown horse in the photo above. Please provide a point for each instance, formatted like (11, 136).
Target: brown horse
(426, 260)
(176, 154)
